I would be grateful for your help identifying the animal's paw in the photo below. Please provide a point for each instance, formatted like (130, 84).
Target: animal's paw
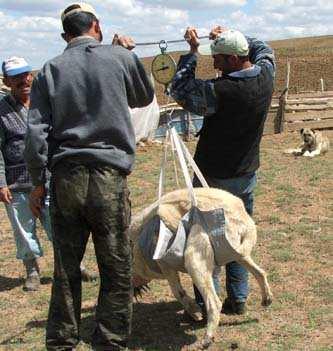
(196, 316)
(193, 316)
(289, 151)
(203, 344)
(267, 301)
(295, 152)
(307, 154)
(194, 311)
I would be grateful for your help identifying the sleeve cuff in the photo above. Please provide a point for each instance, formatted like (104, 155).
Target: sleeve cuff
(38, 176)
(189, 58)
(3, 183)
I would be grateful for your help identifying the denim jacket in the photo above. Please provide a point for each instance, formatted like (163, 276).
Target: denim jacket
(197, 95)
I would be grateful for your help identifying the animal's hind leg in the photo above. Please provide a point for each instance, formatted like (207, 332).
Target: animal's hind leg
(199, 264)
(190, 306)
(261, 278)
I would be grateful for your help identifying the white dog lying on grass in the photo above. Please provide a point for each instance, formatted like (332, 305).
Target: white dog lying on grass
(314, 144)
(199, 256)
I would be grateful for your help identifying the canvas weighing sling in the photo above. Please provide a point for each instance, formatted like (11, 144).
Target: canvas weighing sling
(158, 243)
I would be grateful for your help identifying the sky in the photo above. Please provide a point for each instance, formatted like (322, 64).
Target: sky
(32, 28)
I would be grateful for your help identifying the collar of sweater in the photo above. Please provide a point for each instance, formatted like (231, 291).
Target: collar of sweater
(82, 40)
(250, 72)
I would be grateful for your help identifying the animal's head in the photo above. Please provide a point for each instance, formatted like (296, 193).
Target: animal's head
(308, 135)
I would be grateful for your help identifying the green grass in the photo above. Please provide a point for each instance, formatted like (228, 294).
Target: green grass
(293, 213)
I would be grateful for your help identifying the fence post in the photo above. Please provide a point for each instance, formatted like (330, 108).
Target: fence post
(187, 132)
(279, 120)
(322, 84)
(287, 79)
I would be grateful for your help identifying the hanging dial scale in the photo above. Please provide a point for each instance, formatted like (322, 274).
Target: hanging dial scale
(163, 66)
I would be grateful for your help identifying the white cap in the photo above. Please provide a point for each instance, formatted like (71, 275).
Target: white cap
(78, 7)
(14, 66)
(230, 42)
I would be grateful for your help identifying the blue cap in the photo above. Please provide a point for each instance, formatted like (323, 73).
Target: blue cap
(14, 66)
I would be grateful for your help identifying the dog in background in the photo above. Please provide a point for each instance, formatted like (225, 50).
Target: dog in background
(314, 144)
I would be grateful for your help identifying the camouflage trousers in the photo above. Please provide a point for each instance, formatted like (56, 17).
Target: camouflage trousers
(84, 200)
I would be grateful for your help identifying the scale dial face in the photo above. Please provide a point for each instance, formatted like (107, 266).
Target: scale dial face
(163, 68)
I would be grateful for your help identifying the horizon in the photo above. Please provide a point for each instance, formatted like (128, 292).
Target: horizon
(32, 28)
(269, 41)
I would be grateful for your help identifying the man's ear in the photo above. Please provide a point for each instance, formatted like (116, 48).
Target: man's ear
(96, 26)
(98, 30)
(6, 81)
(233, 59)
(66, 37)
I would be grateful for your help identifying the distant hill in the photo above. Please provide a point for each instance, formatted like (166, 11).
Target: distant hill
(310, 58)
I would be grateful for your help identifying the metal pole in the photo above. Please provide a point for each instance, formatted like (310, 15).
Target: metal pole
(168, 41)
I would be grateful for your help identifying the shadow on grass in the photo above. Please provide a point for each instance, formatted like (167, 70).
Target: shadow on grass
(156, 326)
(160, 326)
(7, 283)
(18, 337)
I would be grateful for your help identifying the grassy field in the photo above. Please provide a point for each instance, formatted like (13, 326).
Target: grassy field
(293, 212)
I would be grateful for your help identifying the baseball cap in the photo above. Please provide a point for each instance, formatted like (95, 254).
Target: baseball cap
(230, 42)
(14, 66)
(78, 7)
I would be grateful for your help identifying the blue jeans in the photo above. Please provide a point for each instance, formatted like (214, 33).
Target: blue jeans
(24, 226)
(236, 275)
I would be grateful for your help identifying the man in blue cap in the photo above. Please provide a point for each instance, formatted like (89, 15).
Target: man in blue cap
(15, 182)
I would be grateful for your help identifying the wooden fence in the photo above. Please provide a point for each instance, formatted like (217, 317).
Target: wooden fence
(308, 110)
(290, 112)
(295, 111)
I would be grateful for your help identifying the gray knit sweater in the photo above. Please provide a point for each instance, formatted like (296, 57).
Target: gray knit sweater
(13, 126)
(79, 108)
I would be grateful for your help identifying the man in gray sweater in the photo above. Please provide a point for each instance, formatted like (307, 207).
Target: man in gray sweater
(79, 127)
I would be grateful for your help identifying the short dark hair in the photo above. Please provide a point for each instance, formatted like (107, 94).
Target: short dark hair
(78, 23)
(241, 58)
(244, 58)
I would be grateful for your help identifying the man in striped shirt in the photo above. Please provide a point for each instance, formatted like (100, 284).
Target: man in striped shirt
(15, 181)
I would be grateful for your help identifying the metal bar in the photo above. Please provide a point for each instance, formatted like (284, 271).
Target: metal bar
(168, 41)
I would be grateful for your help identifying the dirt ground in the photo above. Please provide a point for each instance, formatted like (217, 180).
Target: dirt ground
(293, 212)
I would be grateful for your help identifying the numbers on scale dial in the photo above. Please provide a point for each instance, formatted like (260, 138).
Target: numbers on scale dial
(163, 68)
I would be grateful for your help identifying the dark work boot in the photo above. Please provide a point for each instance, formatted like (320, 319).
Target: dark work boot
(233, 307)
(32, 282)
(87, 276)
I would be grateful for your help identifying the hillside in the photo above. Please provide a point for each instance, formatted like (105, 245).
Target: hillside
(310, 58)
